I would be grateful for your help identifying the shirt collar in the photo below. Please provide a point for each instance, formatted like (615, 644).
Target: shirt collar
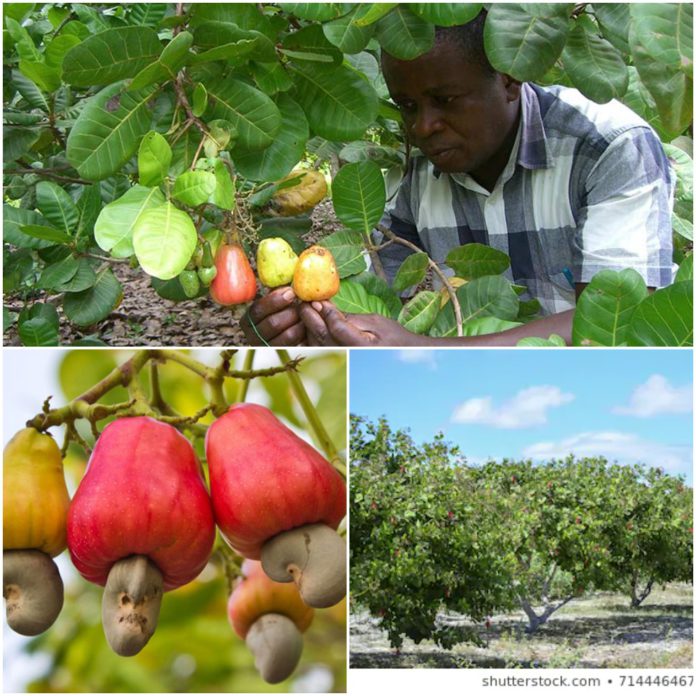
(534, 152)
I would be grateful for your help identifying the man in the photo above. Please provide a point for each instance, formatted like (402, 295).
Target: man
(564, 186)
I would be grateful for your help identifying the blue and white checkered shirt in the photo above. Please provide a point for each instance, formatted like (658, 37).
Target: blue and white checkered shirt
(587, 187)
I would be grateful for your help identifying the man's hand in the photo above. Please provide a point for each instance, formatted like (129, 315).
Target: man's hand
(327, 326)
(276, 319)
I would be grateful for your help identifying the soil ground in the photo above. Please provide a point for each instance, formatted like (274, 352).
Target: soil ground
(597, 631)
(145, 319)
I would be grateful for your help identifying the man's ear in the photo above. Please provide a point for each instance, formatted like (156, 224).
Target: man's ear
(512, 87)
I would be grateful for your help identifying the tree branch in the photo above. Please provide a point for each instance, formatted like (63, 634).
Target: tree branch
(436, 269)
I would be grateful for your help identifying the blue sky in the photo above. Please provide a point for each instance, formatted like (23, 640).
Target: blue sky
(629, 405)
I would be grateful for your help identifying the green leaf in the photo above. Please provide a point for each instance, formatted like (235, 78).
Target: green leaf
(16, 142)
(477, 260)
(45, 76)
(665, 318)
(110, 56)
(271, 77)
(665, 30)
(670, 87)
(164, 239)
(154, 158)
(113, 230)
(526, 40)
(338, 102)
(419, 313)
(40, 326)
(194, 188)
(596, 68)
(359, 195)
(447, 14)
(319, 11)
(93, 305)
(14, 219)
(84, 278)
(200, 100)
(50, 234)
(686, 270)
(488, 296)
(108, 130)
(354, 299)
(411, 272)
(639, 100)
(404, 35)
(9, 319)
(346, 246)
(148, 14)
(553, 341)
(29, 90)
(487, 325)
(57, 48)
(227, 52)
(373, 12)
(277, 160)
(614, 20)
(312, 42)
(253, 114)
(684, 228)
(374, 285)
(212, 35)
(605, 307)
(59, 273)
(56, 205)
(361, 150)
(223, 195)
(346, 34)
(173, 57)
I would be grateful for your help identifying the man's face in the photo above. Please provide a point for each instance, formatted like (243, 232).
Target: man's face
(457, 113)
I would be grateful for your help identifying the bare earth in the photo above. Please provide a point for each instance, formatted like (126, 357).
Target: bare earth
(145, 319)
(597, 631)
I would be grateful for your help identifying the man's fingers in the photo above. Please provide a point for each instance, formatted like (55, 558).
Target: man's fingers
(342, 328)
(274, 302)
(317, 330)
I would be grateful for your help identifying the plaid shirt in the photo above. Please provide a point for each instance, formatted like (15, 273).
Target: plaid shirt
(587, 188)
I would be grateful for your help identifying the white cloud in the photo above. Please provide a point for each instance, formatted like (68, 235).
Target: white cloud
(657, 396)
(526, 409)
(627, 448)
(417, 355)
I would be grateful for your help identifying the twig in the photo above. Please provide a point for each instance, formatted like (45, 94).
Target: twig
(436, 269)
(330, 449)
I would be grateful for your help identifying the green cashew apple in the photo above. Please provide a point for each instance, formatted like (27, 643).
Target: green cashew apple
(275, 262)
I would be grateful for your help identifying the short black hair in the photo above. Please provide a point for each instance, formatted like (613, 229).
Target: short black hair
(469, 38)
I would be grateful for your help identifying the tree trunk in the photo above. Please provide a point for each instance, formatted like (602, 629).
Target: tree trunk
(535, 620)
(637, 597)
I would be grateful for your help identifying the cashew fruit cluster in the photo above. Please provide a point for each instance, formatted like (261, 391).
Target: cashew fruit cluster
(142, 522)
(35, 506)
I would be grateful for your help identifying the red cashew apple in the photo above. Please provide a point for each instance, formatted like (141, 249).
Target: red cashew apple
(35, 505)
(278, 500)
(271, 617)
(140, 523)
(234, 282)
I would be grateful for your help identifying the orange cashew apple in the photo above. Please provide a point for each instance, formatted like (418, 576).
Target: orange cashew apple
(271, 617)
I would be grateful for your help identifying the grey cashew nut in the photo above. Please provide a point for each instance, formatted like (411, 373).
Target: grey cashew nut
(276, 644)
(131, 604)
(314, 558)
(33, 590)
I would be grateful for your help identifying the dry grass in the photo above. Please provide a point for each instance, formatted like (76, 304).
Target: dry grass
(598, 631)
